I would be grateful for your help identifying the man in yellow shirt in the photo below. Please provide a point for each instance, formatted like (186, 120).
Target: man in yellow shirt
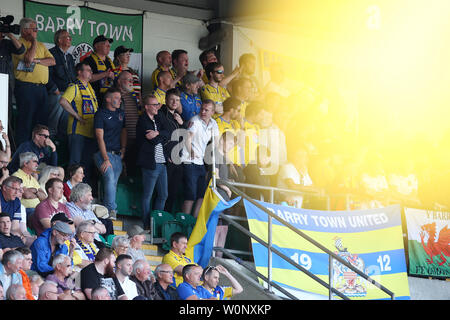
(176, 258)
(80, 101)
(32, 192)
(212, 90)
(31, 73)
(164, 60)
(165, 82)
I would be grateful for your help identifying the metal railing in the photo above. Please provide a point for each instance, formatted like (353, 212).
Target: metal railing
(332, 256)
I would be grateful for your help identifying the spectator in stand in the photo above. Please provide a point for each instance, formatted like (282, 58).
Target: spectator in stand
(45, 210)
(60, 76)
(75, 174)
(63, 276)
(122, 58)
(100, 293)
(294, 175)
(189, 98)
(111, 134)
(137, 237)
(374, 185)
(31, 73)
(190, 288)
(142, 277)
(10, 202)
(206, 57)
(32, 192)
(211, 277)
(163, 285)
(49, 172)
(212, 90)
(7, 147)
(164, 60)
(124, 267)
(35, 281)
(200, 130)
(16, 292)
(2, 293)
(26, 266)
(85, 248)
(259, 173)
(180, 65)
(247, 63)
(50, 243)
(40, 145)
(172, 121)
(4, 172)
(23, 231)
(151, 136)
(48, 291)
(81, 103)
(164, 84)
(102, 66)
(242, 90)
(79, 206)
(8, 47)
(8, 241)
(101, 273)
(9, 269)
(131, 106)
(176, 257)
(120, 245)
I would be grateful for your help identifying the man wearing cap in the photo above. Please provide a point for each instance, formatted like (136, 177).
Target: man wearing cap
(45, 210)
(137, 236)
(189, 98)
(48, 245)
(122, 56)
(102, 66)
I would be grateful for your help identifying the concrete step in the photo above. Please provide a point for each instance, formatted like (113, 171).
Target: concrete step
(120, 232)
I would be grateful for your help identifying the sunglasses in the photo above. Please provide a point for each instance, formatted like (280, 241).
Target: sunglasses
(43, 135)
(219, 71)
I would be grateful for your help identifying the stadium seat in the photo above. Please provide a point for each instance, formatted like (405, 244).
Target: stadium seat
(187, 221)
(159, 217)
(169, 228)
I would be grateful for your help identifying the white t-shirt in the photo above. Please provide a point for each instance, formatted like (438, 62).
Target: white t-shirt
(202, 133)
(129, 287)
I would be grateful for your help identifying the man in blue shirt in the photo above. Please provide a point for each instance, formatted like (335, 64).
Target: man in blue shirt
(111, 134)
(189, 98)
(40, 144)
(190, 289)
(10, 203)
(48, 245)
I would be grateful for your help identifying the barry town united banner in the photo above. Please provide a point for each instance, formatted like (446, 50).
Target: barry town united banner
(84, 24)
(370, 240)
(428, 242)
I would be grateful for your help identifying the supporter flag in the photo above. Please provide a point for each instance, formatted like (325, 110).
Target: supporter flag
(370, 240)
(201, 241)
(428, 242)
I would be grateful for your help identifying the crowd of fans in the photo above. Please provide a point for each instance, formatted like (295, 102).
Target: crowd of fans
(54, 236)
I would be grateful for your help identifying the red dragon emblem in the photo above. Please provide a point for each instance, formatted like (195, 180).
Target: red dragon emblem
(433, 248)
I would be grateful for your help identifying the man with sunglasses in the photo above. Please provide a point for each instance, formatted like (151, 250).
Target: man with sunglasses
(212, 90)
(31, 73)
(40, 145)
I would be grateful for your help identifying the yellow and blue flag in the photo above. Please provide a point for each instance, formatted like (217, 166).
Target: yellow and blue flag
(370, 240)
(201, 241)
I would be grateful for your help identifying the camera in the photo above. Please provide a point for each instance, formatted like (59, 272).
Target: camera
(7, 27)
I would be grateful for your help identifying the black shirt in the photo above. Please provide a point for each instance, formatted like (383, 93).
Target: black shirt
(91, 279)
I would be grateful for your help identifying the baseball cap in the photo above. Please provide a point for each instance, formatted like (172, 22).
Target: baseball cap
(61, 216)
(189, 78)
(101, 38)
(62, 227)
(136, 230)
(120, 50)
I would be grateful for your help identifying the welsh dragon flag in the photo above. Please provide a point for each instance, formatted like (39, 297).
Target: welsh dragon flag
(428, 242)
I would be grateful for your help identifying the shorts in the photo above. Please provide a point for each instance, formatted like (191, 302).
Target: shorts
(194, 181)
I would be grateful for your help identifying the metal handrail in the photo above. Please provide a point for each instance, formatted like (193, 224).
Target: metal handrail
(306, 237)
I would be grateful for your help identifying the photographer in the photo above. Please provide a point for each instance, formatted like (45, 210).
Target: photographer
(7, 48)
